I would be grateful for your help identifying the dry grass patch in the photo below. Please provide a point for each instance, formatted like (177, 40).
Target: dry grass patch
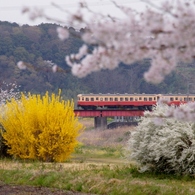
(37, 166)
(106, 138)
(87, 122)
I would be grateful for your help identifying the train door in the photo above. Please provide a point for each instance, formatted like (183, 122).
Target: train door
(158, 97)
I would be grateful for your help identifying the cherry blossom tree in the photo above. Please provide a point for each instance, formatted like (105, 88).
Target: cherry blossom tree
(164, 34)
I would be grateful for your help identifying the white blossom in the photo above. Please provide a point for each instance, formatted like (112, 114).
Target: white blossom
(164, 34)
(21, 65)
(168, 147)
(8, 91)
(158, 121)
(54, 68)
(62, 33)
(82, 52)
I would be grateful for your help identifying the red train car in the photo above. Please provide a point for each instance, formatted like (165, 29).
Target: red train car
(129, 101)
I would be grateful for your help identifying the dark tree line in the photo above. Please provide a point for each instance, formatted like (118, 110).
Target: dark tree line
(37, 45)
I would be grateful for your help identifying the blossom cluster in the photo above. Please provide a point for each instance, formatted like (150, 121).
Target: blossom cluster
(52, 66)
(184, 112)
(8, 91)
(165, 34)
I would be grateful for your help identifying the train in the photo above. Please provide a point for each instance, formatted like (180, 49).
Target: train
(129, 101)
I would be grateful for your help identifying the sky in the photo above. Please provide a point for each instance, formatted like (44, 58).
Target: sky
(10, 10)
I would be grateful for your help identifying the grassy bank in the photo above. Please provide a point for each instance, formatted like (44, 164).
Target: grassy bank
(94, 178)
(97, 167)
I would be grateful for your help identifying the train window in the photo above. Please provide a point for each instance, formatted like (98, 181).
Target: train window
(111, 99)
(150, 98)
(83, 98)
(190, 99)
(185, 99)
(86, 99)
(115, 99)
(131, 99)
(171, 99)
(106, 99)
(145, 99)
(97, 98)
(126, 99)
(92, 99)
(176, 98)
(140, 98)
(194, 99)
(154, 98)
(101, 99)
(121, 99)
(136, 99)
(181, 99)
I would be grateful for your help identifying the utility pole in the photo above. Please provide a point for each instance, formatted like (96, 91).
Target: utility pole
(188, 83)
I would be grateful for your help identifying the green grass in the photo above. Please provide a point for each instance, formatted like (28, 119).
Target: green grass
(99, 152)
(97, 179)
(97, 173)
(96, 167)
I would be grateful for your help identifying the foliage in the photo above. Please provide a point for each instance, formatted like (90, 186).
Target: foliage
(7, 92)
(40, 127)
(93, 174)
(163, 144)
(39, 45)
(3, 147)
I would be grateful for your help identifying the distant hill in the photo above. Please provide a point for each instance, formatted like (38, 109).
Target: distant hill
(40, 46)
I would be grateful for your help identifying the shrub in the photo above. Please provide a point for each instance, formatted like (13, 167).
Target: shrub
(3, 147)
(7, 92)
(43, 128)
(168, 146)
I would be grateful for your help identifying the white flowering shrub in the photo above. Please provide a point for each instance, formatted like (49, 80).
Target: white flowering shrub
(7, 92)
(163, 144)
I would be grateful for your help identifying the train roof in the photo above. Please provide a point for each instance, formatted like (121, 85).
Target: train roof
(112, 94)
(134, 94)
(178, 94)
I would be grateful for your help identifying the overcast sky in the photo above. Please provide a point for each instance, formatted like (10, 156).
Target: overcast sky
(10, 10)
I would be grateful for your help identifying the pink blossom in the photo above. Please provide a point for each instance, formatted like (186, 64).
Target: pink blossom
(164, 34)
(62, 33)
(54, 68)
(21, 65)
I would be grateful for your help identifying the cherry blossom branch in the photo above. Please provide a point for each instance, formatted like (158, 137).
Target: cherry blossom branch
(165, 34)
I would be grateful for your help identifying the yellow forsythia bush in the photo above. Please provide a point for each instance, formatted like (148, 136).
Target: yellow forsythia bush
(40, 127)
